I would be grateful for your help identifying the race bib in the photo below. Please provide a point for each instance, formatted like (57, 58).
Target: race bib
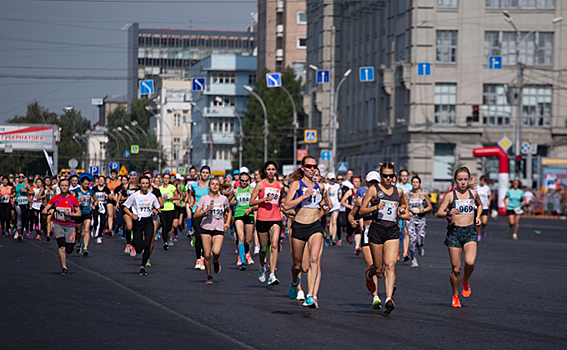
(389, 212)
(101, 197)
(218, 211)
(144, 208)
(366, 228)
(60, 214)
(243, 199)
(272, 191)
(5, 199)
(22, 200)
(414, 205)
(465, 206)
(84, 201)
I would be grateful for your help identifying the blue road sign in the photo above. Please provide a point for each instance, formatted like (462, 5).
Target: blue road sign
(343, 167)
(310, 136)
(114, 166)
(198, 84)
(366, 73)
(325, 155)
(274, 79)
(495, 62)
(525, 148)
(322, 76)
(94, 170)
(424, 68)
(126, 154)
(146, 87)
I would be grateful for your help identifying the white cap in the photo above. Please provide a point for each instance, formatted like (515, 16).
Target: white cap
(244, 170)
(331, 176)
(373, 176)
(179, 177)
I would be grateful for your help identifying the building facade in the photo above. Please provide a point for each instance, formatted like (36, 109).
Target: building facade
(423, 122)
(282, 35)
(218, 109)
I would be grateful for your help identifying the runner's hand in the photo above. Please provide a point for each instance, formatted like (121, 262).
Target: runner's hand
(226, 226)
(248, 211)
(453, 211)
(308, 193)
(134, 216)
(381, 205)
(269, 198)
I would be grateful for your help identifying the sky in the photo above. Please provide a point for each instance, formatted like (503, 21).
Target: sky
(82, 43)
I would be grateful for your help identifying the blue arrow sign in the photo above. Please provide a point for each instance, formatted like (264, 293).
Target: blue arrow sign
(274, 79)
(343, 167)
(366, 73)
(146, 87)
(326, 155)
(126, 154)
(495, 62)
(94, 170)
(198, 84)
(114, 166)
(424, 68)
(322, 76)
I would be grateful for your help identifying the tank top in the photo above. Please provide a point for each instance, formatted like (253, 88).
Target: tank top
(112, 185)
(415, 203)
(312, 201)
(361, 192)
(270, 211)
(5, 193)
(388, 216)
(21, 198)
(35, 203)
(198, 192)
(242, 201)
(166, 194)
(464, 206)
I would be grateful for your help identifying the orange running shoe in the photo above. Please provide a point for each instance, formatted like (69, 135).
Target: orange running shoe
(466, 289)
(456, 302)
(370, 285)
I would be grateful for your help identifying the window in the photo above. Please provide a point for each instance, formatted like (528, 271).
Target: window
(252, 79)
(446, 46)
(448, 4)
(443, 161)
(445, 101)
(301, 18)
(224, 101)
(536, 101)
(520, 4)
(402, 6)
(301, 42)
(536, 49)
(224, 78)
(223, 125)
(176, 120)
(401, 47)
(496, 111)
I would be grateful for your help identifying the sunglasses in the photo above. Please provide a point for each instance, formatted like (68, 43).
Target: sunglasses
(22, 177)
(310, 166)
(340, 179)
(388, 176)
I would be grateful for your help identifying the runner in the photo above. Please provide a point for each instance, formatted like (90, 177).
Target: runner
(74, 182)
(347, 201)
(243, 218)
(515, 197)
(305, 197)
(419, 204)
(198, 190)
(406, 187)
(256, 179)
(45, 196)
(87, 202)
(36, 209)
(461, 232)
(155, 217)
(65, 209)
(112, 183)
(6, 195)
(333, 190)
(140, 206)
(267, 195)
(372, 178)
(128, 189)
(21, 206)
(120, 223)
(168, 214)
(99, 213)
(388, 205)
(215, 217)
(485, 197)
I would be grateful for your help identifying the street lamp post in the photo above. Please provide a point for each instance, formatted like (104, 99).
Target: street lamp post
(240, 131)
(266, 130)
(295, 125)
(120, 129)
(519, 82)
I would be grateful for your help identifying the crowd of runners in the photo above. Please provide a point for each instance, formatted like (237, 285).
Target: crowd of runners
(382, 214)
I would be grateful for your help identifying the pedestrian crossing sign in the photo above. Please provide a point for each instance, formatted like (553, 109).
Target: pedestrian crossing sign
(123, 171)
(310, 136)
(343, 167)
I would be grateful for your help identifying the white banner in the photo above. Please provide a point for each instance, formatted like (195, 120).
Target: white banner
(27, 137)
(50, 162)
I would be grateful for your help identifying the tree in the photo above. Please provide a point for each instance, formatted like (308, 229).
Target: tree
(280, 118)
(71, 123)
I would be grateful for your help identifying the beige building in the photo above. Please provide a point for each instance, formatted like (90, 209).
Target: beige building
(282, 35)
(422, 122)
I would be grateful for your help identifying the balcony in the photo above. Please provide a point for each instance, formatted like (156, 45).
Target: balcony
(279, 30)
(219, 112)
(279, 55)
(220, 138)
(280, 6)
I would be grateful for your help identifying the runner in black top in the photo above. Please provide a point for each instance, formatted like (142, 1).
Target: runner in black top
(100, 213)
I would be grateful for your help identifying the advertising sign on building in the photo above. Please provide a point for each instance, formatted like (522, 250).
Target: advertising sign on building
(27, 137)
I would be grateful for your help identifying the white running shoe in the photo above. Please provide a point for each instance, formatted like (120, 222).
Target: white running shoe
(262, 275)
(133, 252)
(376, 302)
(273, 280)
(99, 240)
(300, 295)
(128, 249)
(249, 260)
(414, 263)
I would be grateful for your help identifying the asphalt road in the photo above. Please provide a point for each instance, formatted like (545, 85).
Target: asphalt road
(517, 302)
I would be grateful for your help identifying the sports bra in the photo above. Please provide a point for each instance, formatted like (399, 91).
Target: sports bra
(415, 203)
(312, 201)
(464, 206)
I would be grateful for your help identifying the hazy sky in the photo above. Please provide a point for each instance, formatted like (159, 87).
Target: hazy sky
(84, 38)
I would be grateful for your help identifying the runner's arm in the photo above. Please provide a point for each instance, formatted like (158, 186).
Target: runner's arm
(442, 212)
(364, 210)
(344, 199)
(254, 199)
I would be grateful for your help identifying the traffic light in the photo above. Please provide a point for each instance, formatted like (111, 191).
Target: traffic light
(475, 113)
